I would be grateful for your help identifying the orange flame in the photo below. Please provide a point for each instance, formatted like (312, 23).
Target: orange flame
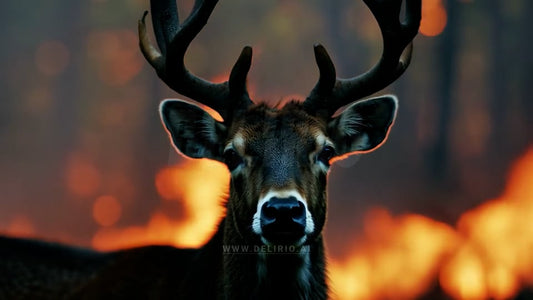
(488, 255)
(199, 185)
(498, 241)
(396, 258)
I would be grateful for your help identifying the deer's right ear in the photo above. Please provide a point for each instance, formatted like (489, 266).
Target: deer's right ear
(194, 132)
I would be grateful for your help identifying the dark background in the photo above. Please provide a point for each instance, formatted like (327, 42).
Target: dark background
(78, 107)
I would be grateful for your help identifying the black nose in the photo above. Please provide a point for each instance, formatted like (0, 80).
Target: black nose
(283, 220)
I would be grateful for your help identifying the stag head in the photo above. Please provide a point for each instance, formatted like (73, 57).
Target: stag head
(278, 157)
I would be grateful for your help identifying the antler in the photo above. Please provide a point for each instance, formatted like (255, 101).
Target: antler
(173, 40)
(330, 93)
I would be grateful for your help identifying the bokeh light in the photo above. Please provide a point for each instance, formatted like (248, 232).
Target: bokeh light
(434, 18)
(106, 210)
(82, 177)
(116, 56)
(21, 225)
(52, 57)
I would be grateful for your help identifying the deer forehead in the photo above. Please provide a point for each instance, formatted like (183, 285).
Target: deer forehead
(285, 131)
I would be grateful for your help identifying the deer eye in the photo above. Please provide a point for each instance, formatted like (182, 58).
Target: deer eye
(232, 159)
(326, 154)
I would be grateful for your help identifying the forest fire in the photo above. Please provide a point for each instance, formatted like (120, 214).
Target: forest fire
(397, 258)
(84, 152)
(494, 258)
(487, 255)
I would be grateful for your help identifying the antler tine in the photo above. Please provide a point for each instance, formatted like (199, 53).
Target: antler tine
(326, 82)
(395, 58)
(173, 40)
(165, 20)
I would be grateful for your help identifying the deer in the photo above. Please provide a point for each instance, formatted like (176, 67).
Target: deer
(269, 244)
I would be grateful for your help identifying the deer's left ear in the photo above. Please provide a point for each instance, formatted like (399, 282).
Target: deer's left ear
(363, 125)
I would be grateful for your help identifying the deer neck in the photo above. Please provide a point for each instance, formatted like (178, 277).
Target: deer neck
(256, 271)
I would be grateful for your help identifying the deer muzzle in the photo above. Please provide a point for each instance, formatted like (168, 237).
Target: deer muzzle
(283, 220)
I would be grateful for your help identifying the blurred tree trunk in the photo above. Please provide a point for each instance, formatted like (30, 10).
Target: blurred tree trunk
(527, 67)
(152, 149)
(447, 47)
(72, 30)
(342, 51)
(5, 55)
(497, 78)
